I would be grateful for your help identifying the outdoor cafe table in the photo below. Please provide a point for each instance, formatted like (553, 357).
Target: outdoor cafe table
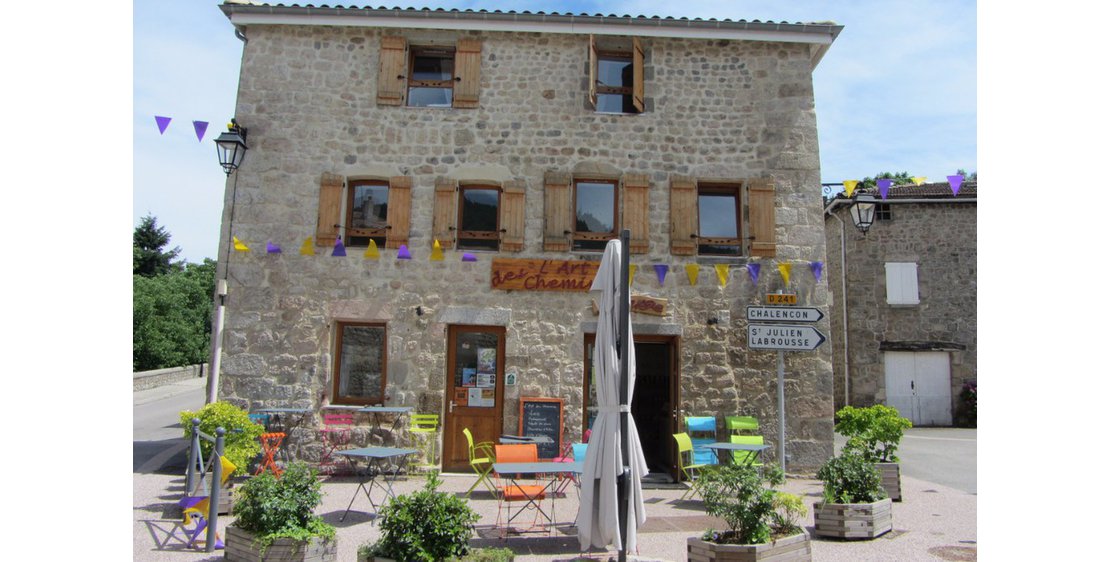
(377, 411)
(723, 450)
(376, 459)
(516, 470)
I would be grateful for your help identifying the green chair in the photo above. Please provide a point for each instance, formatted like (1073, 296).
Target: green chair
(740, 425)
(426, 425)
(481, 460)
(749, 458)
(691, 470)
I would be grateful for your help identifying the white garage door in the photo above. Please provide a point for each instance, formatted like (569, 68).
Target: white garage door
(919, 386)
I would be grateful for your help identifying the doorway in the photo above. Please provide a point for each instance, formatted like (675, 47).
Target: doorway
(919, 386)
(475, 390)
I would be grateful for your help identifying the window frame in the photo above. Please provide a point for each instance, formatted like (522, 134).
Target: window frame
(425, 51)
(883, 212)
(464, 236)
(579, 237)
(379, 235)
(735, 189)
(624, 91)
(337, 364)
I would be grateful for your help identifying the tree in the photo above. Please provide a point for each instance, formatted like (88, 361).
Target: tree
(172, 317)
(147, 255)
(973, 176)
(901, 178)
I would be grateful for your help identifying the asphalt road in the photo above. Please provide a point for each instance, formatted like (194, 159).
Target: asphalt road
(158, 444)
(941, 455)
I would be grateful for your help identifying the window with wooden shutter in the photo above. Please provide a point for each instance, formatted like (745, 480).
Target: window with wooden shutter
(592, 55)
(761, 217)
(512, 216)
(392, 71)
(684, 216)
(595, 213)
(719, 219)
(468, 66)
(327, 217)
(635, 211)
(367, 212)
(443, 213)
(558, 223)
(616, 75)
(479, 216)
(901, 283)
(400, 206)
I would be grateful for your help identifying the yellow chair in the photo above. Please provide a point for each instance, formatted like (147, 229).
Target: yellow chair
(426, 425)
(691, 470)
(481, 460)
(749, 458)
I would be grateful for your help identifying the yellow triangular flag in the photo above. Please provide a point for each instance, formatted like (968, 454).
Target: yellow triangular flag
(371, 251)
(784, 271)
(850, 186)
(631, 273)
(722, 273)
(692, 273)
(227, 467)
(437, 252)
(918, 180)
(307, 249)
(239, 245)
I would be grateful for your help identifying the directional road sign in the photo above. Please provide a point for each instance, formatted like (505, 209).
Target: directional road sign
(784, 313)
(784, 337)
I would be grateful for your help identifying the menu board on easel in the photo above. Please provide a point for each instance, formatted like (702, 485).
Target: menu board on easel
(543, 417)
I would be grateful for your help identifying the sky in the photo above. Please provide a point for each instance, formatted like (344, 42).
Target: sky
(895, 93)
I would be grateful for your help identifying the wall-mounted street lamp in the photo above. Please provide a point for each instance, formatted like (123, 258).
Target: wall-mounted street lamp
(863, 213)
(231, 146)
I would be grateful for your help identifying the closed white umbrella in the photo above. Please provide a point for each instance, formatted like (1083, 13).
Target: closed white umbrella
(598, 518)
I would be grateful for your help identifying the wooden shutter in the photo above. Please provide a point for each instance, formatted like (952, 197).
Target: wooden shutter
(635, 211)
(468, 66)
(592, 96)
(327, 217)
(761, 217)
(512, 216)
(558, 222)
(392, 74)
(637, 75)
(684, 216)
(400, 205)
(444, 214)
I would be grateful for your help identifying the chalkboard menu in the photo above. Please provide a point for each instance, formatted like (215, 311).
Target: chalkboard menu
(543, 417)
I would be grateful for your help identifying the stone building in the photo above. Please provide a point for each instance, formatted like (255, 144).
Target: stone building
(907, 289)
(519, 143)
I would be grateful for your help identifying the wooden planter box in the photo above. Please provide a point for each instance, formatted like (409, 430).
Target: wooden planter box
(788, 549)
(852, 520)
(892, 479)
(240, 546)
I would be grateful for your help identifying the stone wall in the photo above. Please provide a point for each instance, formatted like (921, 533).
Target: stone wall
(145, 380)
(716, 109)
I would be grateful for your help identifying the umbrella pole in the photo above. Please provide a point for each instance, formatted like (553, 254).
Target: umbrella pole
(625, 348)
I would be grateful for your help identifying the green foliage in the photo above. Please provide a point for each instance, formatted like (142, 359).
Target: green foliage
(172, 317)
(789, 508)
(873, 432)
(973, 176)
(272, 507)
(487, 555)
(241, 438)
(851, 478)
(969, 407)
(147, 257)
(901, 178)
(748, 503)
(426, 525)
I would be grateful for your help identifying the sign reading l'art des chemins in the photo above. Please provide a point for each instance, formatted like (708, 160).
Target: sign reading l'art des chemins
(542, 275)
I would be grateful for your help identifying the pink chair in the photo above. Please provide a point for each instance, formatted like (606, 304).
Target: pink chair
(334, 436)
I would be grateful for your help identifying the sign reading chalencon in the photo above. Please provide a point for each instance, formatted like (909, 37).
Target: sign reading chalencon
(784, 313)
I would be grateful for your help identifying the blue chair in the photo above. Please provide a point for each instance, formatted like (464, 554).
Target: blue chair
(579, 450)
(702, 431)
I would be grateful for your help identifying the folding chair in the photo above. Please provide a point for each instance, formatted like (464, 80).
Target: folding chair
(690, 469)
(426, 425)
(513, 491)
(748, 458)
(702, 431)
(271, 443)
(741, 425)
(335, 434)
(481, 460)
(565, 478)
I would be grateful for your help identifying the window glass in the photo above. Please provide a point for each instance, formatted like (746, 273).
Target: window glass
(718, 222)
(361, 358)
(614, 72)
(614, 88)
(431, 79)
(478, 220)
(595, 214)
(367, 210)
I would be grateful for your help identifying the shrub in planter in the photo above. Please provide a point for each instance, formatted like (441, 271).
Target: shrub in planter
(856, 505)
(875, 433)
(272, 511)
(968, 406)
(426, 525)
(241, 438)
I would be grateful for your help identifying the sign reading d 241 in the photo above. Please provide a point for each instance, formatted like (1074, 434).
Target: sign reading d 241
(785, 337)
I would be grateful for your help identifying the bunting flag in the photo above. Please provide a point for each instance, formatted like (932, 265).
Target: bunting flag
(955, 181)
(227, 467)
(918, 180)
(753, 272)
(163, 122)
(631, 273)
(239, 245)
(200, 127)
(722, 273)
(307, 249)
(884, 186)
(816, 267)
(403, 253)
(272, 248)
(467, 256)
(692, 273)
(661, 272)
(850, 186)
(784, 271)
(437, 252)
(339, 250)
(371, 252)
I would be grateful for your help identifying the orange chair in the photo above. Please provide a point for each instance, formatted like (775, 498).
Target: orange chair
(335, 434)
(513, 491)
(271, 443)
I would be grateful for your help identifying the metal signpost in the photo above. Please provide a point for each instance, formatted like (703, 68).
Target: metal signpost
(781, 338)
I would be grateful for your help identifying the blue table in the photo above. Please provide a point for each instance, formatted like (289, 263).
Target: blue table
(377, 411)
(517, 470)
(724, 448)
(283, 420)
(375, 458)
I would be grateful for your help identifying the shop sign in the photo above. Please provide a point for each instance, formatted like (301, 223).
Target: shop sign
(643, 304)
(510, 274)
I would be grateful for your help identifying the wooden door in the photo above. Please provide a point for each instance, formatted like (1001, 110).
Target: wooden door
(475, 390)
(918, 385)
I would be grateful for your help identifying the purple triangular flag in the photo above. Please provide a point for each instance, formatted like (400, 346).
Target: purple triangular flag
(339, 250)
(163, 122)
(467, 256)
(955, 182)
(200, 127)
(884, 186)
(272, 248)
(753, 272)
(816, 267)
(403, 253)
(661, 272)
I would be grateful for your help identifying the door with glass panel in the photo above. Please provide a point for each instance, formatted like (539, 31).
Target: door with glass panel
(475, 390)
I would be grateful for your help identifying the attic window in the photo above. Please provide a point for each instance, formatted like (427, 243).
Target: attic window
(431, 82)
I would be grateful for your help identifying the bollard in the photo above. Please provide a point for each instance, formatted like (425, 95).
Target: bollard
(194, 454)
(214, 496)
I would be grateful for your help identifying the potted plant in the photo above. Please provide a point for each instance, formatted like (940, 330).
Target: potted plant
(274, 519)
(762, 521)
(855, 505)
(875, 433)
(426, 525)
(241, 442)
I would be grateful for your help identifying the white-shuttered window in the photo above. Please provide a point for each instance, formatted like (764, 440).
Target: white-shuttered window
(901, 283)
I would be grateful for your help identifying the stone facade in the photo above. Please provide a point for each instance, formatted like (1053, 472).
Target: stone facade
(716, 109)
(929, 227)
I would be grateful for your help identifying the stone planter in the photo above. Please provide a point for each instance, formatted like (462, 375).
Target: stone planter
(240, 546)
(852, 520)
(794, 547)
(892, 479)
